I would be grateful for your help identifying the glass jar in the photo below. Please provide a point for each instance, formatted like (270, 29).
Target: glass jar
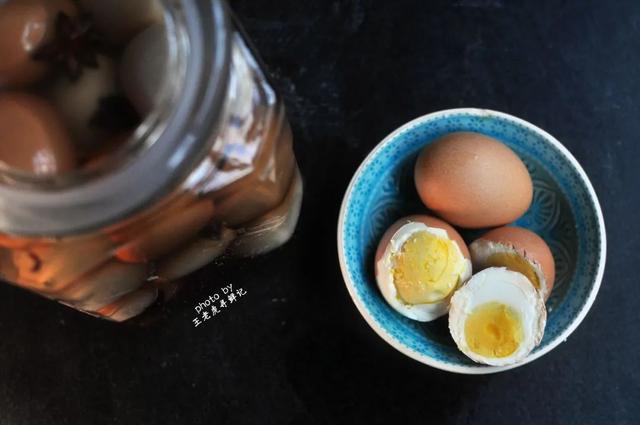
(210, 170)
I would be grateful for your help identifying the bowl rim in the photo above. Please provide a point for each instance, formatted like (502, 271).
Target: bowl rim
(463, 369)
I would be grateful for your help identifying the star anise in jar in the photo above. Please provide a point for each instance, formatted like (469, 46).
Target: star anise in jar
(75, 45)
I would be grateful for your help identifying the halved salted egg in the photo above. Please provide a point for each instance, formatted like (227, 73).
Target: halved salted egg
(519, 250)
(420, 262)
(498, 317)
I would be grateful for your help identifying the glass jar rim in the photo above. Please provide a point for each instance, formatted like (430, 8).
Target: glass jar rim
(174, 137)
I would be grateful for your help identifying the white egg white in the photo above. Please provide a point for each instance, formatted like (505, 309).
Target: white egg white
(384, 275)
(497, 284)
(482, 249)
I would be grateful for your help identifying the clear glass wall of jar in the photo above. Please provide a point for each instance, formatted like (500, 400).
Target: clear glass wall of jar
(210, 170)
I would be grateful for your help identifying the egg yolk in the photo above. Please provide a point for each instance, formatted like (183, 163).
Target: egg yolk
(515, 263)
(426, 268)
(493, 330)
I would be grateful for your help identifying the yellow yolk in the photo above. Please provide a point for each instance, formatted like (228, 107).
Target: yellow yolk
(515, 263)
(426, 268)
(493, 330)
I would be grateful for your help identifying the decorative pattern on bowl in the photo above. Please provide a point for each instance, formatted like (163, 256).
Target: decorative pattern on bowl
(565, 213)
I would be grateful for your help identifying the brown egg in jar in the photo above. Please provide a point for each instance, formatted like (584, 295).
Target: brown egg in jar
(26, 25)
(519, 250)
(34, 139)
(473, 181)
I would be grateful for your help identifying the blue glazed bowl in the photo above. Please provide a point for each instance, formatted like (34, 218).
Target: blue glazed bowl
(565, 212)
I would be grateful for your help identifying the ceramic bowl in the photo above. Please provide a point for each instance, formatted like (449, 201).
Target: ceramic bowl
(565, 212)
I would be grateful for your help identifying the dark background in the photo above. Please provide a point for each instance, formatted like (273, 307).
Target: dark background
(294, 350)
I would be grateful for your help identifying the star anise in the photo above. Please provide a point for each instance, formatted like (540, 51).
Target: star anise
(75, 45)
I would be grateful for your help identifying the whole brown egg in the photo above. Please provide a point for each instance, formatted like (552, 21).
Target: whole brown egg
(33, 138)
(25, 26)
(473, 181)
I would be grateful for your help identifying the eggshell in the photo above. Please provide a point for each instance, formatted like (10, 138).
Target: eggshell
(497, 284)
(35, 139)
(25, 26)
(391, 241)
(429, 221)
(473, 181)
(529, 245)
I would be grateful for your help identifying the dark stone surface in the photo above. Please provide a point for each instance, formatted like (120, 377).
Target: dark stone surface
(294, 350)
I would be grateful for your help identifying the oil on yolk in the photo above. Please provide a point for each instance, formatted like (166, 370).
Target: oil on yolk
(427, 268)
(515, 263)
(493, 330)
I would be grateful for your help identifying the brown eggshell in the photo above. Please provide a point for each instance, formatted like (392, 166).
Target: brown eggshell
(526, 242)
(473, 181)
(429, 221)
(25, 26)
(35, 139)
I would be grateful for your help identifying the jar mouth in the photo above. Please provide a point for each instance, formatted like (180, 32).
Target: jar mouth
(171, 139)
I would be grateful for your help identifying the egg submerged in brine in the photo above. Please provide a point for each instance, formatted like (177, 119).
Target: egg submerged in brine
(420, 262)
(498, 317)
